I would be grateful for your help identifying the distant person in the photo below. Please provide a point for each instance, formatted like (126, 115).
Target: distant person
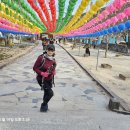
(44, 44)
(59, 40)
(56, 41)
(43, 40)
(45, 68)
(64, 40)
(87, 51)
(51, 41)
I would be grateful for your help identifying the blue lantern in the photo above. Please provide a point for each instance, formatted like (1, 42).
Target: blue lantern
(121, 27)
(115, 29)
(90, 35)
(105, 31)
(127, 24)
(102, 32)
(97, 34)
(110, 30)
(93, 35)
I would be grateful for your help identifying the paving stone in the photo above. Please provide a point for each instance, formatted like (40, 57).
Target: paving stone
(78, 105)
(21, 94)
(10, 98)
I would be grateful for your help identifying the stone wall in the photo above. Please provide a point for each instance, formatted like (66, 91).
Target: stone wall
(115, 47)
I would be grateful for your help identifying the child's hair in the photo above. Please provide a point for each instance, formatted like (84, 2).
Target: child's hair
(50, 46)
(54, 55)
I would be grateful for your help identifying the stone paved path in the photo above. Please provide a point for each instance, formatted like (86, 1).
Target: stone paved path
(78, 104)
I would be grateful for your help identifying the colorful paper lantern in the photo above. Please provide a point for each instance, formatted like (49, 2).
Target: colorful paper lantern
(127, 24)
(110, 30)
(121, 27)
(127, 11)
(115, 29)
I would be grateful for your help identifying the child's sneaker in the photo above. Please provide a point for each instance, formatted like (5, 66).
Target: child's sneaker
(44, 108)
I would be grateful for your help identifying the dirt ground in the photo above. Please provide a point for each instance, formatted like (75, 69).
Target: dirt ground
(10, 54)
(120, 65)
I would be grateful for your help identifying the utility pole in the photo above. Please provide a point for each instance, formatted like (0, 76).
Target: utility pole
(106, 47)
(129, 39)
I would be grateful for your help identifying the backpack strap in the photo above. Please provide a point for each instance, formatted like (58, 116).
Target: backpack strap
(42, 61)
(53, 79)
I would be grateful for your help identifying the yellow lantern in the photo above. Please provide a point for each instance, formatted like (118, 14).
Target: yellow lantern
(91, 13)
(87, 16)
(22, 19)
(13, 12)
(106, 1)
(17, 16)
(8, 17)
(80, 10)
(14, 20)
(78, 13)
(99, 3)
(2, 6)
(4, 15)
(1, 13)
(95, 8)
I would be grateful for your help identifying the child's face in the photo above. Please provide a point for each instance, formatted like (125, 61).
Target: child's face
(46, 43)
(50, 52)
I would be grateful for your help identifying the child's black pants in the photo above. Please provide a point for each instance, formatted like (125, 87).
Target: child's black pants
(48, 92)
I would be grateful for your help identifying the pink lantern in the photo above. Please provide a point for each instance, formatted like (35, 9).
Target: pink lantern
(0, 24)
(111, 8)
(97, 20)
(104, 24)
(114, 20)
(101, 16)
(92, 30)
(121, 16)
(16, 25)
(95, 28)
(101, 26)
(127, 11)
(89, 25)
(105, 13)
(1, 20)
(108, 22)
(93, 22)
(98, 26)
(118, 3)
(3, 26)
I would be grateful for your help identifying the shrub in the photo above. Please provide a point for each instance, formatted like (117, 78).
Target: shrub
(23, 46)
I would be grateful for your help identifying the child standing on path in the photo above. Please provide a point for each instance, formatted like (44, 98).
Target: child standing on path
(45, 68)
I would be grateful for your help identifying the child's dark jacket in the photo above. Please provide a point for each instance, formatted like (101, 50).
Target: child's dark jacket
(46, 64)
